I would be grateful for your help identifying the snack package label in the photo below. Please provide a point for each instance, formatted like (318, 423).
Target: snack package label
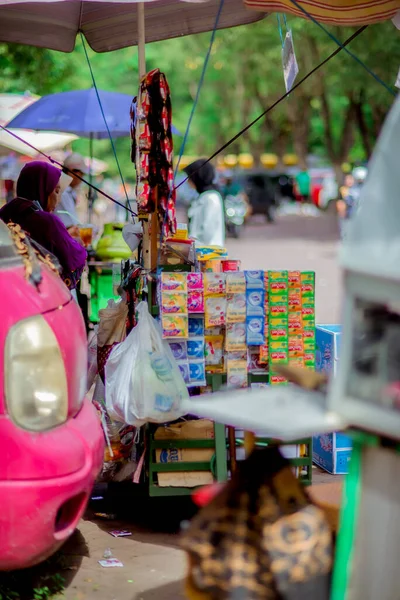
(308, 312)
(214, 284)
(195, 281)
(175, 326)
(279, 322)
(237, 374)
(307, 290)
(275, 276)
(278, 299)
(197, 373)
(254, 280)
(294, 278)
(235, 283)
(278, 287)
(195, 301)
(195, 348)
(215, 311)
(295, 302)
(196, 326)
(296, 361)
(278, 334)
(214, 350)
(278, 357)
(173, 302)
(280, 310)
(255, 303)
(175, 282)
(277, 380)
(235, 337)
(255, 331)
(179, 350)
(307, 277)
(236, 308)
(184, 369)
(264, 354)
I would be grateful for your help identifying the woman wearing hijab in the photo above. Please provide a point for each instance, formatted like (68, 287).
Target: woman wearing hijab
(206, 213)
(38, 192)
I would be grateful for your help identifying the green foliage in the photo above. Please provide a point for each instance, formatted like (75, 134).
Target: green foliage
(337, 113)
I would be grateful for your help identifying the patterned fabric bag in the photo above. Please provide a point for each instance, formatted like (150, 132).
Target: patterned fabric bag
(261, 538)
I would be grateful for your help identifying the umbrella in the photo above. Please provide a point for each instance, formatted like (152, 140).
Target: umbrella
(79, 112)
(10, 106)
(111, 25)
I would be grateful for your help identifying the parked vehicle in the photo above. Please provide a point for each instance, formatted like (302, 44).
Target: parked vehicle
(235, 214)
(51, 440)
(275, 187)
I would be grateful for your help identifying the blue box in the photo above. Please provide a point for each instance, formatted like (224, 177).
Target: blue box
(331, 451)
(327, 340)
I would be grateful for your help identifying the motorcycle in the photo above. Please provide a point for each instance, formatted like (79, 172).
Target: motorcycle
(235, 214)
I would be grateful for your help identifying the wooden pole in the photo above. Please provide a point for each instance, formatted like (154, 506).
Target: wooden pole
(249, 442)
(142, 72)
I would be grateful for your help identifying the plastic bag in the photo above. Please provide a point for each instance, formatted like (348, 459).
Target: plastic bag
(143, 381)
(112, 325)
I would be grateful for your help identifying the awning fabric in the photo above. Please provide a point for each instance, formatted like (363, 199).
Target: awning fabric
(333, 12)
(109, 25)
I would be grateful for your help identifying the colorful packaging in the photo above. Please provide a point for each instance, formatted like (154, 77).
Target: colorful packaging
(307, 291)
(214, 331)
(235, 283)
(296, 361)
(280, 310)
(254, 363)
(309, 339)
(184, 369)
(235, 337)
(279, 321)
(179, 350)
(277, 276)
(214, 353)
(255, 331)
(215, 311)
(175, 282)
(211, 266)
(307, 277)
(195, 348)
(173, 302)
(295, 300)
(235, 308)
(237, 376)
(296, 346)
(278, 356)
(230, 265)
(264, 354)
(278, 334)
(195, 301)
(175, 326)
(214, 284)
(255, 303)
(294, 279)
(295, 323)
(308, 312)
(309, 360)
(254, 280)
(195, 281)
(196, 326)
(197, 373)
(275, 379)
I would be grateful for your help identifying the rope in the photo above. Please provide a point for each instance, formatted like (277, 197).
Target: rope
(272, 106)
(201, 81)
(342, 46)
(105, 120)
(66, 170)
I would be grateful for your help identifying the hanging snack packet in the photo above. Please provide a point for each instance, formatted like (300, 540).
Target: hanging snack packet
(236, 308)
(173, 302)
(175, 326)
(237, 376)
(175, 282)
(179, 350)
(235, 283)
(214, 352)
(254, 280)
(214, 284)
(235, 337)
(255, 331)
(195, 281)
(195, 348)
(197, 373)
(196, 326)
(255, 303)
(215, 311)
(195, 301)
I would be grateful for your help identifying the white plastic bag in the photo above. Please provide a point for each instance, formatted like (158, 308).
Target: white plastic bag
(143, 381)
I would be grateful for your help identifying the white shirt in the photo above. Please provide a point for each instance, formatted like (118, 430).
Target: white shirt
(66, 208)
(207, 220)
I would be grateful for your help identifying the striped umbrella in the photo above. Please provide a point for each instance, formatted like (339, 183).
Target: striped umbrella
(333, 12)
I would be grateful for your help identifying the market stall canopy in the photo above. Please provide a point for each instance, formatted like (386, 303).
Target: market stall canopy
(110, 25)
(372, 243)
(334, 12)
(10, 106)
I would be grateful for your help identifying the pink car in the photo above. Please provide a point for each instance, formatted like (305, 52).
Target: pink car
(50, 437)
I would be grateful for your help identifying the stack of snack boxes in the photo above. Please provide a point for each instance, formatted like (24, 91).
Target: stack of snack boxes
(239, 323)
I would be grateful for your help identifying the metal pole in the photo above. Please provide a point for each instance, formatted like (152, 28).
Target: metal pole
(146, 250)
(91, 192)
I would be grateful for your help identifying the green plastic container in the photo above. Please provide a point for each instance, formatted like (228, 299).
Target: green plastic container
(101, 285)
(111, 246)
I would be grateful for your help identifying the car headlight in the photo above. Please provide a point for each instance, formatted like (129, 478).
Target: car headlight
(35, 379)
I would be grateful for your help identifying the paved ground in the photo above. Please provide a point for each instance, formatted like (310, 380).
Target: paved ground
(154, 567)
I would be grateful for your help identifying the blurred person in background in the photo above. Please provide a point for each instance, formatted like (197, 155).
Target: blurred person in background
(66, 210)
(350, 193)
(303, 184)
(206, 211)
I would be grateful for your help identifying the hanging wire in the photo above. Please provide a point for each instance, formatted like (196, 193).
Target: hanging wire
(272, 106)
(66, 169)
(105, 120)
(201, 81)
(278, 18)
(349, 52)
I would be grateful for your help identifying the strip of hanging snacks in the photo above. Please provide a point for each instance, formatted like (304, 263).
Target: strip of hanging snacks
(152, 150)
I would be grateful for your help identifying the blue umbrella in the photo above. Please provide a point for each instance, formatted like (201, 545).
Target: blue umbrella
(79, 112)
